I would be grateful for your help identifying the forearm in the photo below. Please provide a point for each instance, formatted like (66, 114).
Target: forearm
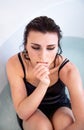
(31, 103)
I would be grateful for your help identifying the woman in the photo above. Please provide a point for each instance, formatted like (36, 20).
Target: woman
(38, 76)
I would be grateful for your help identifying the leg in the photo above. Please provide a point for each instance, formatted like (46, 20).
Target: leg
(62, 118)
(38, 121)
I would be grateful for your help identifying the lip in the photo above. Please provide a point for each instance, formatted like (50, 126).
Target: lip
(42, 62)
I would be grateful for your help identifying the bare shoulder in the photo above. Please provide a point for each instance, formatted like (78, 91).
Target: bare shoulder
(70, 73)
(12, 60)
(69, 68)
(13, 65)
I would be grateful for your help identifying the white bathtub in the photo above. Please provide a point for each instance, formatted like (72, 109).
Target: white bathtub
(73, 48)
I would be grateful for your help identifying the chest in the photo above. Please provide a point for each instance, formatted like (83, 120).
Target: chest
(34, 81)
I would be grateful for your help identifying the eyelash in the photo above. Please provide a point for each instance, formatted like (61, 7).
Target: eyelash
(51, 48)
(37, 48)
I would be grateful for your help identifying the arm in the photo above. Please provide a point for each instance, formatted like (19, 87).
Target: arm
(71, 77)
(25, 105)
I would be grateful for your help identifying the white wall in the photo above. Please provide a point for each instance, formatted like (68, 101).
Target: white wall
(14, 15)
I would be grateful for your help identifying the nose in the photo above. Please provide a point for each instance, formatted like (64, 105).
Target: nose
(43, 56)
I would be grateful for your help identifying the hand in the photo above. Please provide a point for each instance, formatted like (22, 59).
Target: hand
(41, 72)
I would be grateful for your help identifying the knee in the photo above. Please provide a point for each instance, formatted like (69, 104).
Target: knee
(38, 121)
(42, 122)
(62, 119)
(61, 122)
(38, 125)
(44, 125)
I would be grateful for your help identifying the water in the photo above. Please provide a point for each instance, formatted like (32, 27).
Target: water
(73, 48)
(8, 120)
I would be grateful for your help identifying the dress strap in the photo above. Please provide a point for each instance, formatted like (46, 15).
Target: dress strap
(62, 65)
(20, 59)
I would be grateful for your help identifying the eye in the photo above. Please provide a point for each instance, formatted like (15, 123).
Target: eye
(51, 48)
(36, 48)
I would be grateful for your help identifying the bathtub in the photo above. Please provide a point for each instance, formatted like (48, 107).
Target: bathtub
(73, 49)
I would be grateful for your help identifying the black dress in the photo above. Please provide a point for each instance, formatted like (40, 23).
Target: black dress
(54, 98)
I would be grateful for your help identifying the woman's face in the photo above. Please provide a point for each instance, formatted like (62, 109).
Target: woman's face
(42, 47)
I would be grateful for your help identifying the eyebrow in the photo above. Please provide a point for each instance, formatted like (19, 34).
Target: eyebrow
(35, 44)
(47, 45)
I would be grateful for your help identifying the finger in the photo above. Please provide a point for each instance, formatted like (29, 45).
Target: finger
(41, 64)
(46, 73)
(43, 76)
(42, 71)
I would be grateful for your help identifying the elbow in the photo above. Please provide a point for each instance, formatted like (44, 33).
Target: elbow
(22, 113)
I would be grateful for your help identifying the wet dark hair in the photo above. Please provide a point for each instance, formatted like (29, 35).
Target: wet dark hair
(43, 24)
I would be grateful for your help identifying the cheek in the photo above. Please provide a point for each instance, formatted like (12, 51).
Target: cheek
(52, 56)
(31, 53)
(33, 56)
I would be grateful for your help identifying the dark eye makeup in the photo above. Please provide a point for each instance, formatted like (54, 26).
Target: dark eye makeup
(38, 48)
(51, 48)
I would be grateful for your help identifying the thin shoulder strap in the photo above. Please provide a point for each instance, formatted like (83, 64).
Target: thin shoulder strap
(62, 65)
(20, 59)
